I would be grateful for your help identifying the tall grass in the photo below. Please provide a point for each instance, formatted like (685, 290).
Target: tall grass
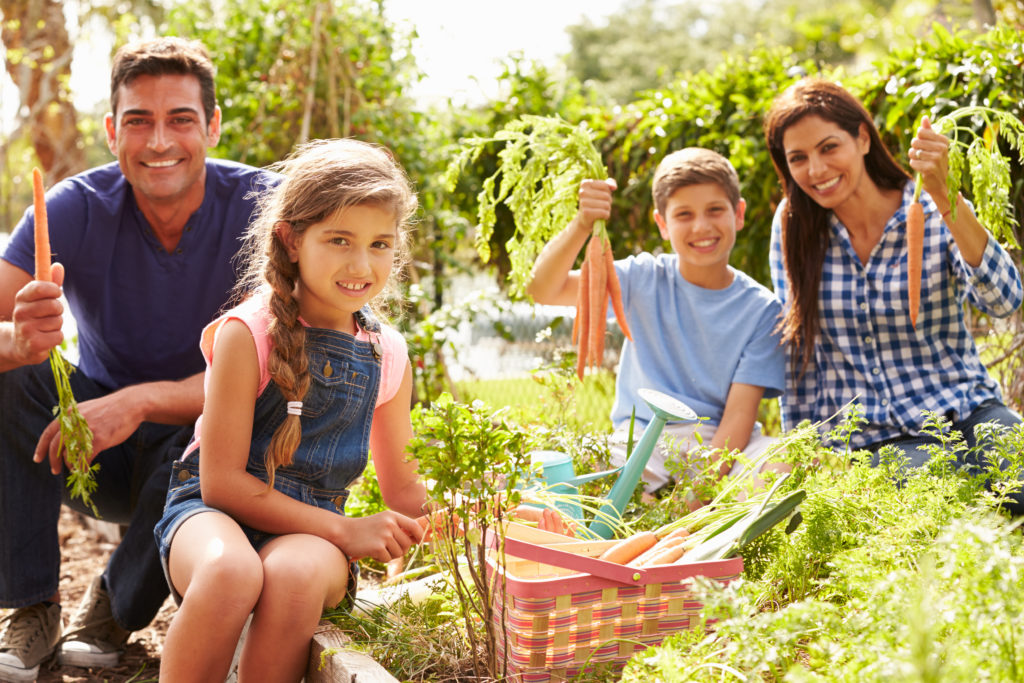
(533, 399)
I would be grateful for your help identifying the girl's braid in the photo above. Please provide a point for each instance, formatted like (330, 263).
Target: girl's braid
(287, 363)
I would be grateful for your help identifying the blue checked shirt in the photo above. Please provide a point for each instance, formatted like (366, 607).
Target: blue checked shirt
(866, 348)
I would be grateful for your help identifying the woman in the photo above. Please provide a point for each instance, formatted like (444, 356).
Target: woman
(838, 261)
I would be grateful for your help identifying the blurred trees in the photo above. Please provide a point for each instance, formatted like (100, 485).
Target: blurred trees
(38, 60)
(648, 42)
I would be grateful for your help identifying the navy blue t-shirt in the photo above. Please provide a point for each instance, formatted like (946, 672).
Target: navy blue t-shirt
(140, 309)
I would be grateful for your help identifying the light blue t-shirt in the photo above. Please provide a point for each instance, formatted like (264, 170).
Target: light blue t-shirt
(693, 343)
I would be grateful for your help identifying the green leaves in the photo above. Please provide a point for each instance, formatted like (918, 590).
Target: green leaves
(75, 435)
(987, 173)
(541, 162)
(468, 451)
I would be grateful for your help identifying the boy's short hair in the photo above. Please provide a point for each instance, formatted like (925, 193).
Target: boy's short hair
(168, 55)
(694, 166)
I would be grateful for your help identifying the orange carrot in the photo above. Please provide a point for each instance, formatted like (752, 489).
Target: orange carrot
(628, 549)
(582, 323)
(662, 545)
(42, 233)
(581, 294)
(598, 301)
(665, 556)
(615, 290)
(915, 248)
(438, 522)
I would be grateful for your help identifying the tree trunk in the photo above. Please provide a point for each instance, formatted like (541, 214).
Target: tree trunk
(984, 13)
(38, 60)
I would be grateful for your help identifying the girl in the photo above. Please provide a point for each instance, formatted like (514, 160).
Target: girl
(838, 261)
(301, 381)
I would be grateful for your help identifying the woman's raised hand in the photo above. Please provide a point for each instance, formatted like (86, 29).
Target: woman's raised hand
(929, 156)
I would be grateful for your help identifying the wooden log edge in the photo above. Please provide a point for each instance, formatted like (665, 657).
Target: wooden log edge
(332, 660)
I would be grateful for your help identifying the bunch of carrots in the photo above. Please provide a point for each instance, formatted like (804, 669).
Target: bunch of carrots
(75, 435)
(598, 282)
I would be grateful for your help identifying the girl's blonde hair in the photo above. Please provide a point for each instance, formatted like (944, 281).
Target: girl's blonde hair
(320, 178)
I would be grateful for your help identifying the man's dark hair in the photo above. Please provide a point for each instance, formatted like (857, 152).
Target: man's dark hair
(164, 56)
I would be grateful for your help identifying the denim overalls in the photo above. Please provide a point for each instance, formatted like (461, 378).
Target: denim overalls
(337, 412)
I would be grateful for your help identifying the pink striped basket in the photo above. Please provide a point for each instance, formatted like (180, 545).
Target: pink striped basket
(559, 611)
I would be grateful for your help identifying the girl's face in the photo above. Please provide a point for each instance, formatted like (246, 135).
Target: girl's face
(344, 262)
(825, 161)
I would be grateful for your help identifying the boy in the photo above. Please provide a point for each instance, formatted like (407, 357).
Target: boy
(702, 331)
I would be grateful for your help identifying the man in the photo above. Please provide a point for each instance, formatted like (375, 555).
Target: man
(144, 248)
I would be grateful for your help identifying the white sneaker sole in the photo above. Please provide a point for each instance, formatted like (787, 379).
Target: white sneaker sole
(86, 656)
(10, 672)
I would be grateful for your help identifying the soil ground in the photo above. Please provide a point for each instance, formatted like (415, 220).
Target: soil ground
(85, 553)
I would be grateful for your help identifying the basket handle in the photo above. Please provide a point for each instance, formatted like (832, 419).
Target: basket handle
(560, 558)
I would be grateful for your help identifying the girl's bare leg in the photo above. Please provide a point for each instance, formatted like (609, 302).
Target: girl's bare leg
(214, 567)
(301, 575)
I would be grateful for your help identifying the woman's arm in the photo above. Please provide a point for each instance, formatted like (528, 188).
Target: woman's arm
(389, 436)
(929, 156)
(989, 275)
(798, 401)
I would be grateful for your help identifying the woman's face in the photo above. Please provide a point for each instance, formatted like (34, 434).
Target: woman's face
(825, 161)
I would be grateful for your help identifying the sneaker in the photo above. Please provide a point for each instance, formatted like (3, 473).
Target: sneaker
(28, 636)
(93, 638)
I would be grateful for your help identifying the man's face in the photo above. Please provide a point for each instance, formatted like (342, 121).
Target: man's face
(160, 136)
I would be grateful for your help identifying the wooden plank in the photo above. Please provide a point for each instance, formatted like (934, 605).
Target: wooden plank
(332, 661)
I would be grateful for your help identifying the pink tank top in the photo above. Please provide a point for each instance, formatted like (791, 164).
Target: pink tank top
(254, 314)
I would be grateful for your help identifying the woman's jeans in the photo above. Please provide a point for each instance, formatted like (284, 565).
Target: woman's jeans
(132, 484)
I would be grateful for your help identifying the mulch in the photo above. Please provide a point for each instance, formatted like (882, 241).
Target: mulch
(85, 551)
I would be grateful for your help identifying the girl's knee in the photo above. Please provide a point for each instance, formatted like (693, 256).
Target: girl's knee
(312, 569)
(230, 578)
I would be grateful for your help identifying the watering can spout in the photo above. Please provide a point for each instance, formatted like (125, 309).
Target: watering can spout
(665, 408)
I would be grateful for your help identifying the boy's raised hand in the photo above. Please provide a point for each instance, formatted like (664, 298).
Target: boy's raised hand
(595, 202)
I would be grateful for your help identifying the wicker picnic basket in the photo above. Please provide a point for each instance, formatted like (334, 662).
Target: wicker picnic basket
(558, 610)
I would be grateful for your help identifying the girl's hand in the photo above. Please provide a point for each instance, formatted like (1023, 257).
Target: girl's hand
(595, 202)
(929, 156)
(383, 536)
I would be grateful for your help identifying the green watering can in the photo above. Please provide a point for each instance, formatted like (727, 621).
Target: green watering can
(559, 475)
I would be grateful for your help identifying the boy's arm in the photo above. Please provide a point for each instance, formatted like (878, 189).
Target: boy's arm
(737, 423)
(553, 281)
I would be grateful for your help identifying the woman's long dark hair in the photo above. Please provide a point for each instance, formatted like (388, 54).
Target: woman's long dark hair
(805, 233)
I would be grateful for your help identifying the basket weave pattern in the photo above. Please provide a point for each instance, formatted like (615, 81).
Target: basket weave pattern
(555, 628)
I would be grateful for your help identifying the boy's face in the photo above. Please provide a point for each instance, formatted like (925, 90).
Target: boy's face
(701, 224)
